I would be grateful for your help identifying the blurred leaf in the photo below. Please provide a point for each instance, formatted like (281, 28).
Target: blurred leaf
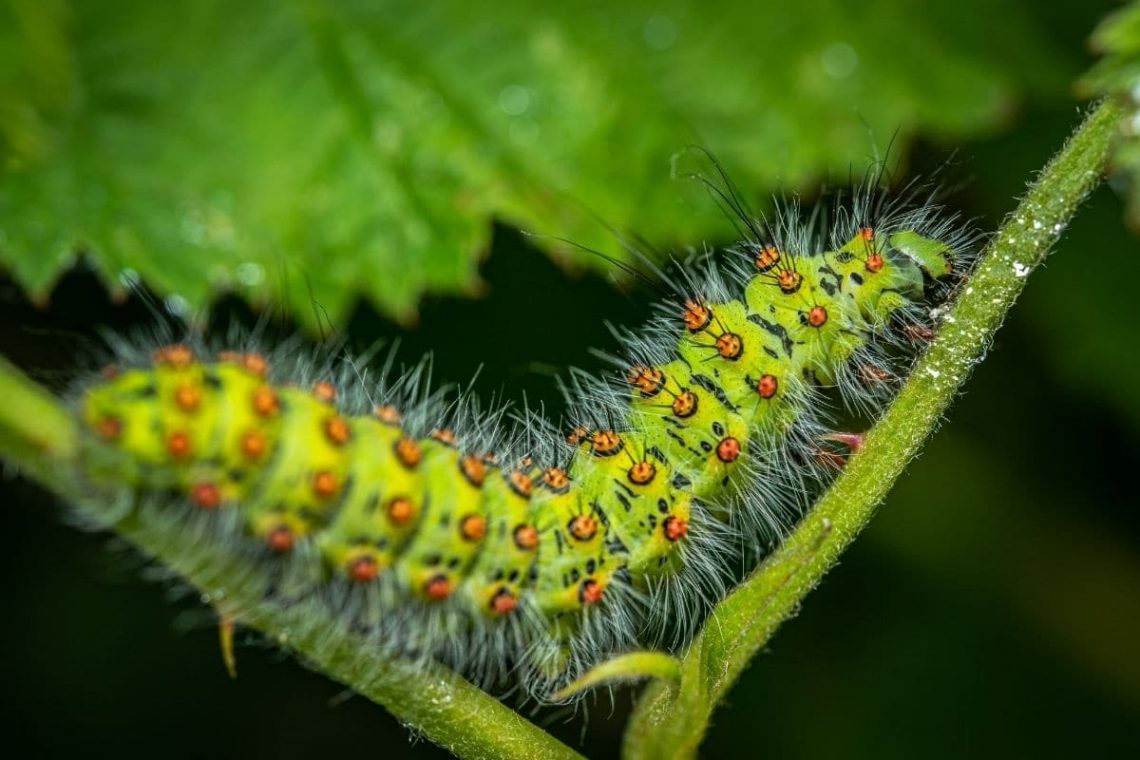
(1117, 75)
(318, 151)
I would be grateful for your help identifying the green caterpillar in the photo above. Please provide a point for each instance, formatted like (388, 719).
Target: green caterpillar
(510, 547)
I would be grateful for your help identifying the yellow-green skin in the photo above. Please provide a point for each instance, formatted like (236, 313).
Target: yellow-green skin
(297, 470)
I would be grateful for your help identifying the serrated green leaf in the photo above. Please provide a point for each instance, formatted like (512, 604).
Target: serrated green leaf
(322, 150)
(1117, 75)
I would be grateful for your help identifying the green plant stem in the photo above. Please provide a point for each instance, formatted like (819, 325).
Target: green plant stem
(39, 436)
(671, 718)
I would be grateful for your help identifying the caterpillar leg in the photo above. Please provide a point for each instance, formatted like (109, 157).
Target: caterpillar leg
(226, 643)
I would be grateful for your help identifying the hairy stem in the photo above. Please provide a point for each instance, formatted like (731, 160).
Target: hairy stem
(672, 717)
(38, 435)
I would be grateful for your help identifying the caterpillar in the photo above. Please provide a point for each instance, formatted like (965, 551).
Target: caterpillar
(506, 546)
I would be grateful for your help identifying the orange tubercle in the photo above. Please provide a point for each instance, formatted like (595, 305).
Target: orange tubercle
(642, 473)
(605, 443)
(768, 386)
(324, 391)
(473, 528)
(445, 436)
(675, 528)
(555, 478)
(817, 317)
(109, 428)
(767, 257)
(730, 346)
(206, 495)
(590, 592)
(408, 452)
(176, 355)
(253, 445)
(521, 483)
(337, 431)
(363, 569)
(188, 397)
(728, 450)
(400, 510)
(280, 540)
(648, 380)
(438, 588)
(388, 414)
(265, 402)
(526, 537)
(583, 527)
(685, 404)
(503, 602)
(178, 445)
(789, 281)
(325, 484)
(474, 470)
(696, 316)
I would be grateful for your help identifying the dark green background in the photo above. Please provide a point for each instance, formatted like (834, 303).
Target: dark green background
(993, 606)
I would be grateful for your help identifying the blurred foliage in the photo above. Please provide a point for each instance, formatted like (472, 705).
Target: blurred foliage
(322, 150)
(1117, 75)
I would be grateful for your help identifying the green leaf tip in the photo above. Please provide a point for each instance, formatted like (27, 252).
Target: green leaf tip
(625, 668)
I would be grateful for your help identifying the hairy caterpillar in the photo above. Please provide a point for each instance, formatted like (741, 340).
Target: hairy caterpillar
(444, 532)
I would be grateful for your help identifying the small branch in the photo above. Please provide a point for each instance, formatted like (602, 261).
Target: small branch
(38, 435)
(671, 718)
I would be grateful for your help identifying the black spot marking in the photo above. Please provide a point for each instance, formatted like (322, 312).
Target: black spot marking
(147, 391)
(716, 391)
(615, 546)
(776, 329)
(624, 501)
